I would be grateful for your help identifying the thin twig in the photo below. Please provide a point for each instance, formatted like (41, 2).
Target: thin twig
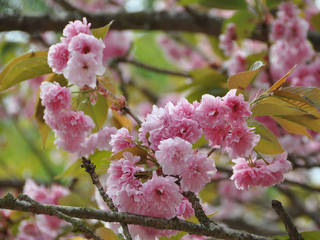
(127, 110)
(200, 214)
(152, 68)
(285, 218)
(302, 185)
(298, 205)
(90, 168)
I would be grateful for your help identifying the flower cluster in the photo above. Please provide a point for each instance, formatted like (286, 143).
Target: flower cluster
(78, 56)
(182, 55)
(157, 164)
(71, 128)
(44, 226)
(291, 47)
(259, 172)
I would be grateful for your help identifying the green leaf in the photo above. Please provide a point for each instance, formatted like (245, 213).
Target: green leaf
(308, 121)
(226, 4)
(252, 59)
(102, 31)
(245, 22)
(315, 21)
(292, 127)
(102, 161)
(268, 143)
(98, 112)
(311, 95)
(175, 237)
(196, 93)
(214, 41)
(241, 80)
(275, 106)
(280, 82)
(74, 170)
(314, 235)
(205, 77)
(25, 67)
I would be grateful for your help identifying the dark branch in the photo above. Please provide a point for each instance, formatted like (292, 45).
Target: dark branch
(217, 231)
(165, 21)
(78, 225)
(285, 218)
(200, 214)
(90, 168)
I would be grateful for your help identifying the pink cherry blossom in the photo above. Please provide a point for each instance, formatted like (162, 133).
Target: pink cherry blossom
(75, 123)
(218, 135)
(123, 186)
(162, 196)
(239, 109)
(29, 230)
(193, 237)
(45, 226)
(58, 57)
(185, 209)
(169, 122)
(277, 30)
(198, 172)
(121, 140)
(287, 10)
(74, 28)
(148, 233)
(54, 97)
(87, 44)
(211, 111)
(99, 140)
(241, 141)
(82, 69)
(227, 39)
(243, 174)
(260, 173)
(117, 44)
(173, 154)
(237, 63)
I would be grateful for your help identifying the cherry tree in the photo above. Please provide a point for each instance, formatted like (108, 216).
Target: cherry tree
(190, 119)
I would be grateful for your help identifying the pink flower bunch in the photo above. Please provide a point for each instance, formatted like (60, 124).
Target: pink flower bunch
(237, 63)
(71, 128)
(159, 196)
(121, 140)
(258, 172)
(291, 47)
(227, 40)
(117, 44)
(169, 122)
(182, 55)
(223, 121)
(44, 226)
(78, 56)
(306, 75)
(177, 158)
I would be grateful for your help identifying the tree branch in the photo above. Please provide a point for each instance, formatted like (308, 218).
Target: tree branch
(90, 168)
(217, 231)
(200, 214)
(285, 218)
(165, 21)
(78, 225)
(152, 68)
